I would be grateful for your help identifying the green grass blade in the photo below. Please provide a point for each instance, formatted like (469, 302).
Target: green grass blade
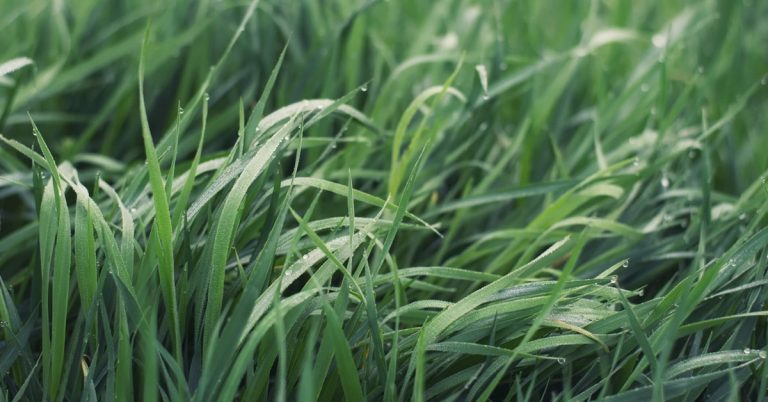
(166, 270)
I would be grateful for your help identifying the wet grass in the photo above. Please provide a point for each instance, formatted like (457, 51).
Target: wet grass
(383, 200)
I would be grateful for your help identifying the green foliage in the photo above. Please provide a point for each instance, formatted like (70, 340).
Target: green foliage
(383, 200)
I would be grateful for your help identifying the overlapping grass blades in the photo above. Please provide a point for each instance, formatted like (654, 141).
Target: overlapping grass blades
(383, 200)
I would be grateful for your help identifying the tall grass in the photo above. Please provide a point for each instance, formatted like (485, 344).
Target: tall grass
(383, 200)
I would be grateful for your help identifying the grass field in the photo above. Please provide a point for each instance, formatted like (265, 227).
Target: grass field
(397, 200)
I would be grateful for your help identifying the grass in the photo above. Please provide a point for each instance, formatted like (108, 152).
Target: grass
(383, 200)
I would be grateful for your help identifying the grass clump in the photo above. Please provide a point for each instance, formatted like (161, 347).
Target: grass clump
(383, 200)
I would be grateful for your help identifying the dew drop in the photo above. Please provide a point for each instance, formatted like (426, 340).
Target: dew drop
(614, 279)
(764, 80)
(762, 354)
(207, 97)
(747, 351)
(665, 182)
(561, 361)
(659, 40)
(3, 324)
(625, 263)
(743, 216)
(181, 111)
(305, 257)
(449, 41)
(636, 162)
(364, 88)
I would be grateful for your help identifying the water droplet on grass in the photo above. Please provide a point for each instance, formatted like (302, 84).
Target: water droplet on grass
(364, 88)
(625, 263)
(659, 40)
(665, 182)
(449, 41)
(561, 361)
(747, 351)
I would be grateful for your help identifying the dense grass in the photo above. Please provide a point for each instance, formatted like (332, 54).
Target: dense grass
(383, 200)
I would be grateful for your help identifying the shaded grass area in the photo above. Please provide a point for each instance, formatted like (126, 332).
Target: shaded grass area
(383, 200)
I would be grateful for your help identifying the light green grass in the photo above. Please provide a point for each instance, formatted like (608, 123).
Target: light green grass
(383, 200)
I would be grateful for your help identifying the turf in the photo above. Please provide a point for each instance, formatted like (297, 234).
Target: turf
(383, 200)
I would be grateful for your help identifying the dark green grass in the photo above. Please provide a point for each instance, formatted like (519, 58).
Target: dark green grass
(383, 200)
